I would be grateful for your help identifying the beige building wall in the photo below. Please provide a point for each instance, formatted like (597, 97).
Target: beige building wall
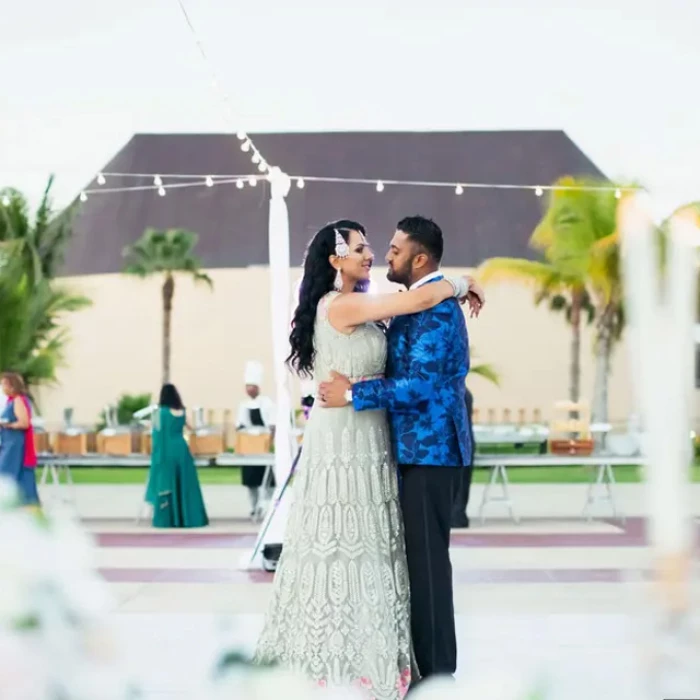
(115, 346)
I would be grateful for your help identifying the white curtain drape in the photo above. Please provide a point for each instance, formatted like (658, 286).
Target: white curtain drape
(660, 308)
(272, 530)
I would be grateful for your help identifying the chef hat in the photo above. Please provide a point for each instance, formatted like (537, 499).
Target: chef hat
(253, 373)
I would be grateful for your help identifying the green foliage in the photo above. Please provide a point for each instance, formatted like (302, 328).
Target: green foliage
(127, 405)
(32, 334)
(580, 274)
(483, 369)
(168, 252)
(40, 243)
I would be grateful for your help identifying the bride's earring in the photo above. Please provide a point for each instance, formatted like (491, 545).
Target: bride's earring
(338, 284)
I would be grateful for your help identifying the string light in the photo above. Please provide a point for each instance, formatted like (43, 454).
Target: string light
(256, 158)
(161, 191)
(242, 135)
(83, 196)
(198, 180)
(101, 179)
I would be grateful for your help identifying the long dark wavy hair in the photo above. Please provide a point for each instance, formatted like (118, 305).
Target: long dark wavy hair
(317, 281)
(170, 398)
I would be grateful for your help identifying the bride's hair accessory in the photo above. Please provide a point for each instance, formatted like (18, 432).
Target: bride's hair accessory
(342, 249)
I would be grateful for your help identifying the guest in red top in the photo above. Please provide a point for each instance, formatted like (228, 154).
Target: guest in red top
(17, 453)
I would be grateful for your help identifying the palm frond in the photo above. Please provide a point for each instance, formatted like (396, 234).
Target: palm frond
(165, 251)
(487, 372)
(525, 272)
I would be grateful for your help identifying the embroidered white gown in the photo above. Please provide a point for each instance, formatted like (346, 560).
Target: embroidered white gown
(340, 604)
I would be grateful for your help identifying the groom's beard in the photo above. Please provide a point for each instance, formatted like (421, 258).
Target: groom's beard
(402, 277)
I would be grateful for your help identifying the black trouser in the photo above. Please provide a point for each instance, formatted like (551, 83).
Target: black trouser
(427, 497)
(459, 508)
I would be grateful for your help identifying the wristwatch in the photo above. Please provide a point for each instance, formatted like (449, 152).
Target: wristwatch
(348, 395)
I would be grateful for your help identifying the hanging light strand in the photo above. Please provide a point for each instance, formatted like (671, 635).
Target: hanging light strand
(247, 143)
(240, 180)
(162, 188)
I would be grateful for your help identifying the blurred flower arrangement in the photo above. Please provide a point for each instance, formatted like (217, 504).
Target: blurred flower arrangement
(56, 642)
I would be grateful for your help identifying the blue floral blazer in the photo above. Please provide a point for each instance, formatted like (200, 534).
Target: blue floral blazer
(424, 387)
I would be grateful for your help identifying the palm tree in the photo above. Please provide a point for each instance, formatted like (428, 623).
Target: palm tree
(40, 242)
(165, 252)
(548, 283)
(581, 272)
(32, 337)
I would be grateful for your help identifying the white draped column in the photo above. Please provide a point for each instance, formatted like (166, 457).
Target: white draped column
(660, 302)
(280, 297)
(272, 530)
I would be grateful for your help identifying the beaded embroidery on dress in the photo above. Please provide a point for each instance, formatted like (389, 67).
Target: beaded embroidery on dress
(340, 605)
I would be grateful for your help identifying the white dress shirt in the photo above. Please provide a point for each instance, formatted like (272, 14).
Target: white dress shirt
(426, 279)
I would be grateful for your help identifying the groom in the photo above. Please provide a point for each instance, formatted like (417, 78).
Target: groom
(428, 361)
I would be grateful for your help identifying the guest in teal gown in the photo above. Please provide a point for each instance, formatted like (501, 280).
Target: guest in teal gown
(173, 485)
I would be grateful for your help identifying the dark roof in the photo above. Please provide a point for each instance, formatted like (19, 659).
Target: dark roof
(232, 223)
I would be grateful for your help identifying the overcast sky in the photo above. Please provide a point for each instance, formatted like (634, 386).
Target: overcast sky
(80, 77)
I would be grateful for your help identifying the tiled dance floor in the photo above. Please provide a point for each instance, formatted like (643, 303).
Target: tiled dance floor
(556, 597)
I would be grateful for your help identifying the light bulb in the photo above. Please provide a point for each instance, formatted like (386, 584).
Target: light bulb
(262, 167)
(618, 194)
(459, 189)
(252, 181)
(157, 181)
(101, 179)
(300, 183)
(83, 197)
(209, 182)
(380, 186)
(256, 158)
(538, 191)
(242, 135)
(245, 146)
(239, 184)
(161, 191)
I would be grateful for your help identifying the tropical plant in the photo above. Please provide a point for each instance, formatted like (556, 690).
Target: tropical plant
(41, 242)
(165, 252)
(483, 370)
(127, 405)
(32, 336)
(549, 283)
(580, 274)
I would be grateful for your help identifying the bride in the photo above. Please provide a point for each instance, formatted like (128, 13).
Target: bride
(340, 604)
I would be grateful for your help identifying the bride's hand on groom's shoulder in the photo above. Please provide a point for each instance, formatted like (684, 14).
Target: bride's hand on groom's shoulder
(475, 297)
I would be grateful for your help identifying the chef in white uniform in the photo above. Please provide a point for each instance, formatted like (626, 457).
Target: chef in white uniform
(256, 411)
